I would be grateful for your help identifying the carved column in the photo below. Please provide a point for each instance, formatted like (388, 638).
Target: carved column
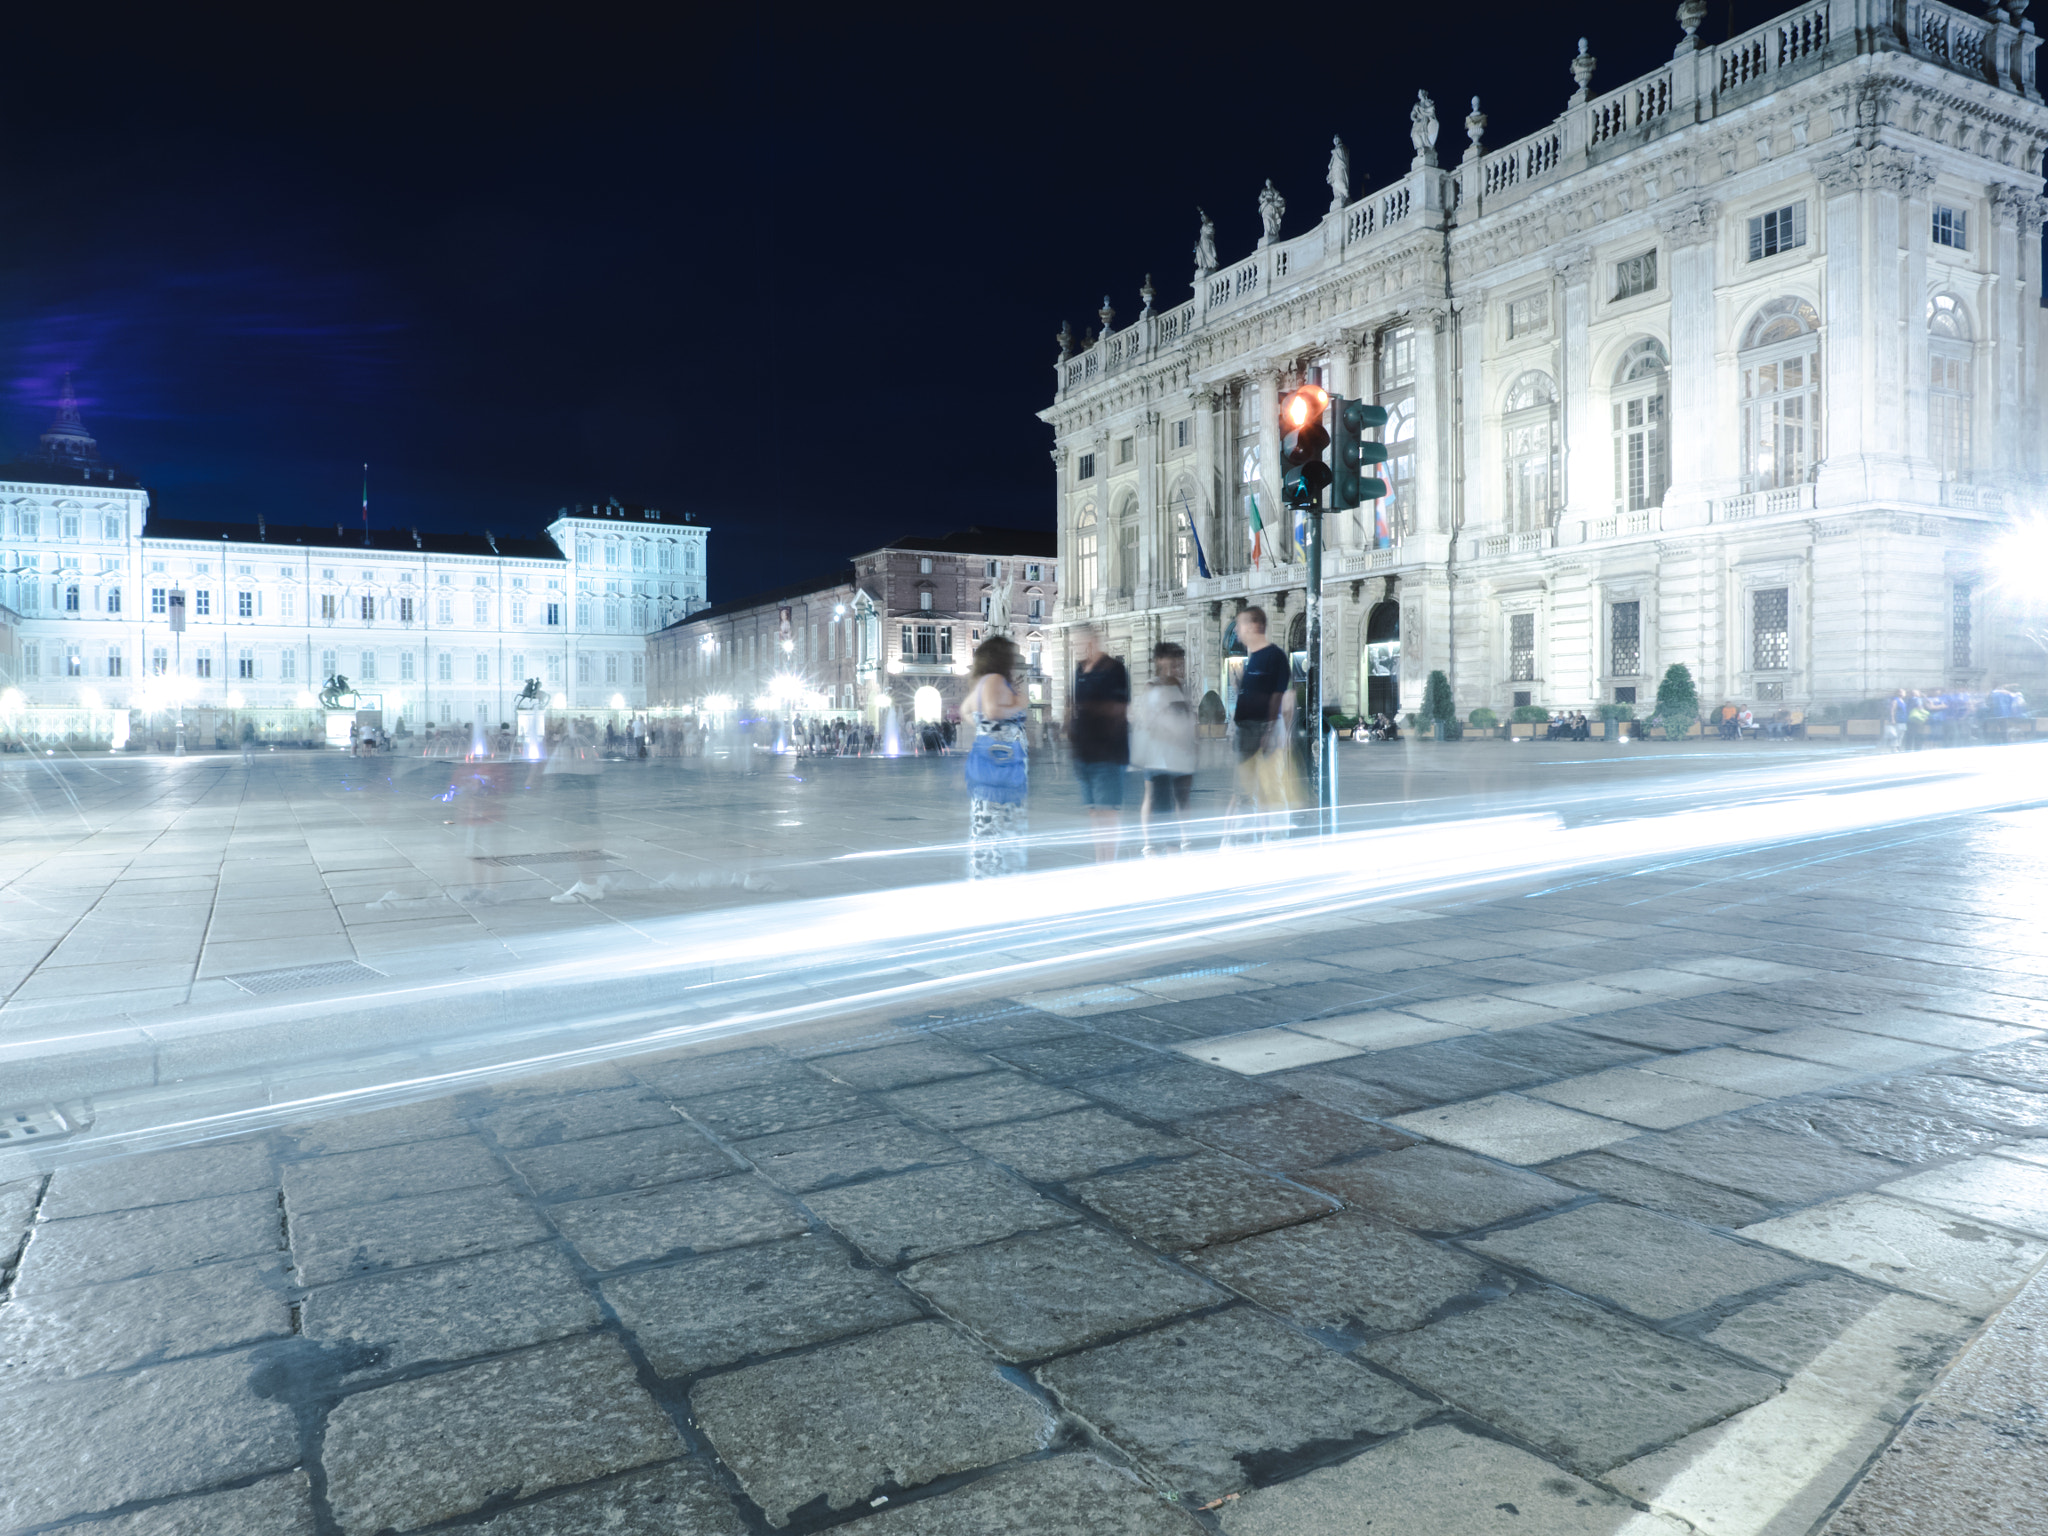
(1208, 487)
(1701, 420)
(2003, 330)
(1848, 392)
(1585, 491)
(1911, 358)
(1429, 510)
(1151, 574)
(1063, 531)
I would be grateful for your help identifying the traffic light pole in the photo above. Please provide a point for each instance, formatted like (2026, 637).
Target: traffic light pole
(1318, 745)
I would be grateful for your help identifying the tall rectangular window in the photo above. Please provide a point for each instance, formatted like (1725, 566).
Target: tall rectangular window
(611, 666)
(245, 605)
(1084, 467)
(483, 610)
(1183, 432)
(245, 665)
(203, 666)
(1959, 643)
(1638, 274)
(554, 615)
(158, 601)
(444, 667)
(518, 673)
(113, 661)
(1770, 629)
(1952, 228)
(369, 671)
(1625, 639)
(405, 610)
(1528, 315)
(1782, 229)
(405, 666)
(288, 665)
(202, 602)
(483, 667)
(113, 599)
(1521, 647)
(159, 662)
(369, 609)
(329, 606)
(327, 664)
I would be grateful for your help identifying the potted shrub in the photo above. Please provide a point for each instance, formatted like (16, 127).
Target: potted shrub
(1482, 719)
(1439, 708)
(1617, 718)
(1678, 701)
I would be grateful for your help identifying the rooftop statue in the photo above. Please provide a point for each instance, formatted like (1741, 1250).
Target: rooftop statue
(1272, 208)
(1205, 247)
(1339, 176)
(1422, 129)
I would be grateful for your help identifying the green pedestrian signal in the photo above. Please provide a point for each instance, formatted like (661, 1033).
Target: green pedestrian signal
(1350, 420)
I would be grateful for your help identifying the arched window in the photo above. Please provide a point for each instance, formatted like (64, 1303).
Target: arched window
(1087, 555)
(1176, 538)
(1127, 549)
(1642, 454)
(1781, 396)
(1951, 418)
(1531, 452)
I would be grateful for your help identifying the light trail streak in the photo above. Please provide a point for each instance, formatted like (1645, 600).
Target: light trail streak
(740, 971)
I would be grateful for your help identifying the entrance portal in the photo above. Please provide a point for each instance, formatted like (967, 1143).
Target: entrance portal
(1383, 659)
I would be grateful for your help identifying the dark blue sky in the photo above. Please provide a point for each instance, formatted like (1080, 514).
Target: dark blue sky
(797, 274)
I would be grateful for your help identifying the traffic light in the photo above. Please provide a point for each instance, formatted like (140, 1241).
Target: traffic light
(1303, 474)
(1351, 420)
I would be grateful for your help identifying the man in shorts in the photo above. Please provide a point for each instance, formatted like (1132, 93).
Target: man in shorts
(1098, 735)
(1265, 710)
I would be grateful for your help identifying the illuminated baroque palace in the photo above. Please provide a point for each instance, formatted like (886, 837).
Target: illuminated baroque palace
(1738, 365)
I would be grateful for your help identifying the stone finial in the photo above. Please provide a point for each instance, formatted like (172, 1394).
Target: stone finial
(1066, 341)
(1205, 248)
(1422, 130)
(1147, 293)
(1272, 209)
(1692, 14)
(1108, 315)
(1582, 71)
(1475, 130)
(1339, 176)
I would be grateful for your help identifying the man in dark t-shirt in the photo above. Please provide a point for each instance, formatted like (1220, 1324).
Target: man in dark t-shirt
(1099, 735)
(1265, 706)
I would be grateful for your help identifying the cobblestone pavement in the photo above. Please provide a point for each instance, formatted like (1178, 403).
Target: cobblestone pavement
(1645, 1203)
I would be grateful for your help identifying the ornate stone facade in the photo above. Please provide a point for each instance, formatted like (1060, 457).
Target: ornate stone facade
(1738, 365)
(441, 628)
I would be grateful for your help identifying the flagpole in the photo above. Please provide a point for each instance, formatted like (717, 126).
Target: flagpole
(366, 506)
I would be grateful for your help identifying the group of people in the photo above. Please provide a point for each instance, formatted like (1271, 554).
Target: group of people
(1112, 729)
(1951, 717)
(1376, 727)
(832, 738)
(1573, 726)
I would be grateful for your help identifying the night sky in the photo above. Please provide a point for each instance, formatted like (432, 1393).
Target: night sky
(797, 275)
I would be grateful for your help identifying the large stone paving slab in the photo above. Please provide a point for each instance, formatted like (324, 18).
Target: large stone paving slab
(454, 1311)
(385, 1173)
(855, 1149)
(1293, 1133)
(711, 1311)
(1513, 1128)
(1047, 1292)
(2019, 1111)
(1175, 1090)
(1345, 1092)
(1876, 1129)
(770, 1108)
(571, 1117)
(1930, 1253)
(274, 1506)
(380, 1128)
(81, 1330)
(1766, 1165)
(677, 1499)
(94, 1445)
(1994, 1189)
(899, 1066)
(1651, 1265)
(1198, 1201)
(1789, 1331)
(1070, 1057)
(1445, 1482)
(914, 1215)
(1072, 1495)
(157, 1178)
(411, 1454)
(1441, 1072)
(1579, 1384)
(893, 1409)
(1671, 1193)
(675, 1220)
(602, 1165)
(393, 1234)
(121, 1245)
(1214, 1404)
(985, 1099)
(1067, 1146)
(1349, 1272)
(1439, 1189)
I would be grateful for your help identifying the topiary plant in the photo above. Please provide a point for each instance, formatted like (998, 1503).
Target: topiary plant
(1437, 703)
(1678, 701)
(1484, 718)
(1530, 714)
(1617, 711)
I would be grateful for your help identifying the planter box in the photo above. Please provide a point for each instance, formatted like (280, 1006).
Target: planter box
(1824, 730)
(1865, 728)
(1524, 729)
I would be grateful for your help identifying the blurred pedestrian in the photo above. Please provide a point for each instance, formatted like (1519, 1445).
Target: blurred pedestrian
(998, 767)
(1163, 745)
(1098, 735)
(1264, 715)
(1895, 721)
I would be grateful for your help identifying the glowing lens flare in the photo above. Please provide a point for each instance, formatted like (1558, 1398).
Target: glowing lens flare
(1305, 405)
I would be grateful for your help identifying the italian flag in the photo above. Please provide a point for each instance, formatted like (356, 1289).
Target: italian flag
(1251, 506)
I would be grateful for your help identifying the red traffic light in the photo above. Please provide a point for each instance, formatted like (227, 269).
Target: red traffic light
(1305, 405)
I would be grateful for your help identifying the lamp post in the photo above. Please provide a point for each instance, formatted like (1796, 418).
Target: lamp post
(177, 610)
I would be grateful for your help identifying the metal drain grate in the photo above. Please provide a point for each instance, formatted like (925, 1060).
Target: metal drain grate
(299, 977)
(578, 856)
(41, 1122)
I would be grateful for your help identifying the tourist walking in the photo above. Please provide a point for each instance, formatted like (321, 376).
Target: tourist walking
(1098, 735)
(1265, 711)
(998, 769)
(1163, 746)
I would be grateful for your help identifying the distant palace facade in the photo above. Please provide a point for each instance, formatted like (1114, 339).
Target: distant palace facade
(1737, 365)
(442, 629)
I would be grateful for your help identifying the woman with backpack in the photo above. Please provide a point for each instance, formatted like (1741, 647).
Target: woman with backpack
(998, 771)
(1163, 743)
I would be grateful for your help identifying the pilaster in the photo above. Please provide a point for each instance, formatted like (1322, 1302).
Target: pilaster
(1848, 391)
(1428, 508)
(1689, 234)
(1583, 481)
